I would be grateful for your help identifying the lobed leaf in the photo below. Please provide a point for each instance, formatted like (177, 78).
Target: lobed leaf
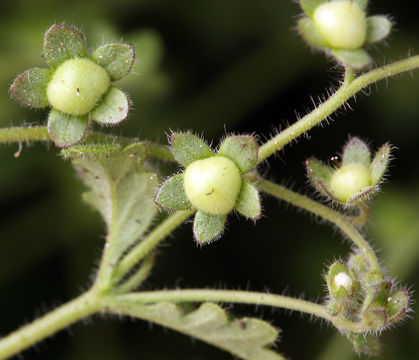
(30, 88)
(356, 151)
(246, 338)
(248, 202)
(380, 163)
(113, 108)
(120, 189)
(309, 6)
(187, 148)
(357, 59)
(242, 150)
(308, 31)
(62, 43)
(378, 28)
(116, 59)
(66, 130)
(208, 227)
(172, 196)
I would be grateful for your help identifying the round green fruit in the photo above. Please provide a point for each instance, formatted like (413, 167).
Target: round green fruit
(342, 24)
(212, 185)
(76, 86)
(349, 180)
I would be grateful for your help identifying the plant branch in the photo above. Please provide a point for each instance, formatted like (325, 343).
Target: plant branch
(146, 245)
(326, 213)
(40, 133)
(238, 297)
(65, 315)
(349, 88)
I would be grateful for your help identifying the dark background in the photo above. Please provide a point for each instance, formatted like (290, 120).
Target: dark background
(214, 67)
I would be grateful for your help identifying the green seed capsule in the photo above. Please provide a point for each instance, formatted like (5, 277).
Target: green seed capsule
(212, 185)
(349, 180)
(342, 24)
(76, 86)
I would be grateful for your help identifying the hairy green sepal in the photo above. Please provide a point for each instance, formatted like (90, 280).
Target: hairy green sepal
(356, 151)
(380, 163)
(30, 88)
(120, 189)
(246, 338)
(357, 59)
(242, 150)
(116, 59)
(188, 148)
(62, 43)
(309, 6)
(208, 227)
(248, 202)
(66, 130)
(378, 28)
(310, 34)
(113, 108)
(171, 195)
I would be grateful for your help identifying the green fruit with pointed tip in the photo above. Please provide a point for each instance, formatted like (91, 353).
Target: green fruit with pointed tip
(342, 24)
(76, 86)
(349, 180)
(213, 184)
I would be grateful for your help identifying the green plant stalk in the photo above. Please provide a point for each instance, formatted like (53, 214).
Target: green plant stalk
(58, 319)
(40, 133)
(237, 297)
(136, 279)
(146, 245)
(348, 89)
(324, 212)
(22, 134)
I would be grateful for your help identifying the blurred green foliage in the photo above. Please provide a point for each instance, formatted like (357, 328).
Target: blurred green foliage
(215, 67)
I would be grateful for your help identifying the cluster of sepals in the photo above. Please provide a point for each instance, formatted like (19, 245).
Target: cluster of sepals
(78, 86)
(366, 297)
(356, 179)
(212, 182)
(342, 29)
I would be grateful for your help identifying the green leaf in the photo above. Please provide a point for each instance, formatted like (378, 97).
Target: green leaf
(187, 148)
(378, 28)
(309, 6)
(319, 175)
(171, 195)
(120, 189)
(62, 43)
(356, 151)
(246, 338)
(66, 130)
(30, 88)
(310, 34)
(368, 344)
(248, 202)
(113, 108)
(242, 150)
(361, 196)
(357, 59)
(208, 227)
(380, 163)
(117, 59)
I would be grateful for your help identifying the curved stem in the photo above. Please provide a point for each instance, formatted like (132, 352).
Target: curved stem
(325, 212)
(146, 245)
(239, 297)
(137, 278)
(65, 315)
(349, 88)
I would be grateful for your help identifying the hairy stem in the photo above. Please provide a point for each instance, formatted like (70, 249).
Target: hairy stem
(239, 297)
(137, 278)
(146, 245)
(65, 315)
(324, 212)
(349, 88)
(40, 133)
